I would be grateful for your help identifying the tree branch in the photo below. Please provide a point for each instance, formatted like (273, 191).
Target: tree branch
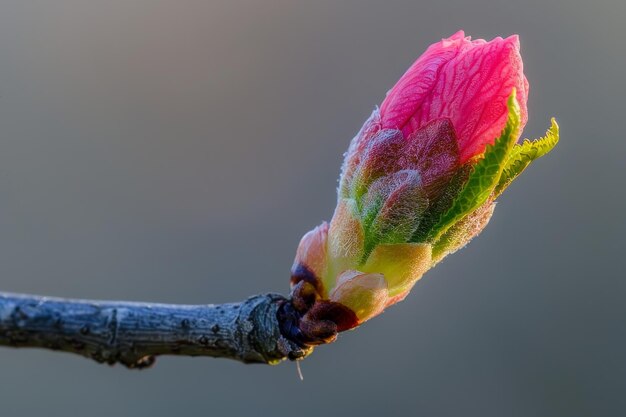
(135, 333)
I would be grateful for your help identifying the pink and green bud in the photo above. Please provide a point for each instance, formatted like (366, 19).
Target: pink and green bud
(418, 182)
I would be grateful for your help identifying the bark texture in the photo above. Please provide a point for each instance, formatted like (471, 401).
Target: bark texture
(133, 334)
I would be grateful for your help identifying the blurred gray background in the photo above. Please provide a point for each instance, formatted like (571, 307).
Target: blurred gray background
(176, 151)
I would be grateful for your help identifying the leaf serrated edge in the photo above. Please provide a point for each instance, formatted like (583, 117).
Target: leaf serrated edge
(522, 155)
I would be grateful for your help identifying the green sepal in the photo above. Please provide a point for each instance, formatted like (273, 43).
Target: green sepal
(460, 233)
(439, 207)
(391, 209)
(485, 174)
(523, 154)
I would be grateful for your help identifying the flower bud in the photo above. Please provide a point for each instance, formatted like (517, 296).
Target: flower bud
(418, 182)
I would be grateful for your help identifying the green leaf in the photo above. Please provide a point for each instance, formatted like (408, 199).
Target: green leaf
(522, 155)
(484, 176)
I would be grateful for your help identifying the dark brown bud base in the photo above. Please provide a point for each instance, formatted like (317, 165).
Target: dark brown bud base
(307, 319)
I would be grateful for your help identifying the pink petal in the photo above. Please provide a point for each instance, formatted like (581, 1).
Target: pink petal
(414, 87)
(466, 81)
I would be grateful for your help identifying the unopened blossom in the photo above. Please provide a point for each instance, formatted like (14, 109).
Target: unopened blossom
(418, 182)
